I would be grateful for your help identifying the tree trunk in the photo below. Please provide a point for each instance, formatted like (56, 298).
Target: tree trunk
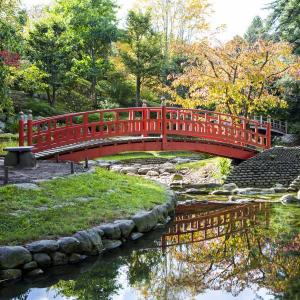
(94, 80)
(53, 100)
(138, 90)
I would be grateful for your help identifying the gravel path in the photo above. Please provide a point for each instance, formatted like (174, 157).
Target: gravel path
(44, 170)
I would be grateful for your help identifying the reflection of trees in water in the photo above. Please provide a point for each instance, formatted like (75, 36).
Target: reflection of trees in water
(100, 282)
(233, 262)
(255, 256)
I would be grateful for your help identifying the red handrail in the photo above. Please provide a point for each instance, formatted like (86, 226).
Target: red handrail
(62, 130)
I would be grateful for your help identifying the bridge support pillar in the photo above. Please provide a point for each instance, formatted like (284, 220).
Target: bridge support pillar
(164, 123)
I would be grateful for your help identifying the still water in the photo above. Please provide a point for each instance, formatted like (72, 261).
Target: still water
(210, 251)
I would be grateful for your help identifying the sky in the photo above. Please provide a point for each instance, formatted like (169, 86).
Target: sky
(235, 14)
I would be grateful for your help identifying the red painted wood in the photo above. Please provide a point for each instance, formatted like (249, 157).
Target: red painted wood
(239, 132)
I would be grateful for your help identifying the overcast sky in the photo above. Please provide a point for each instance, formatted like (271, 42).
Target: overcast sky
(235, 14)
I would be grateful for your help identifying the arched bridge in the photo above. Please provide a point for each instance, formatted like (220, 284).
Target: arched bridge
(92, 134)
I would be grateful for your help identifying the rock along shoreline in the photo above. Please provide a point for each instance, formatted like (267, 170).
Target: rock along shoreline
(33, 259)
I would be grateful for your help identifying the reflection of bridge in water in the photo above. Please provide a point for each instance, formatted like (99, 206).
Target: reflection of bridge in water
(203, 222)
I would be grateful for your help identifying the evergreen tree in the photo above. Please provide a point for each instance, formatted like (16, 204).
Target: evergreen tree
(143, 58)
(255, 31)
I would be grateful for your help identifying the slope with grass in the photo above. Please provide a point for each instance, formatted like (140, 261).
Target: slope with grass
(65, 205)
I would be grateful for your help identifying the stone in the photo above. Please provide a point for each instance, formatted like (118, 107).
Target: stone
(35, 273)
(145, 221)
(221, 192)
(86, 245)
(59, 258)
(11, 159)
(104, 164)
(30, 266)
(27, 160)
(111, 244)
(99, 230)
(95, 240)
(286, 199)
(10, 274)
(43, 246)
(254, 191)
(126, 227)
(152, 173)
(27, 186)
(13, 256)
(229, 187)
(42, 259)
(111, 231)
(194, 191)
(136, 235)
(161, 213)
(68, 245)
(127, 170)
(144, 170)
(298, 194)
(74, 258)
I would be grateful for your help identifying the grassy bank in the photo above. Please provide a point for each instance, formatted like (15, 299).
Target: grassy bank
(152, 154)
(63, 206)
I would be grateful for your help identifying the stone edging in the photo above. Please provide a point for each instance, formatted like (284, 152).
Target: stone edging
(33, 258)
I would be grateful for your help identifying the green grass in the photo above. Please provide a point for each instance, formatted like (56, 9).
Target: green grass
(111, 196)
(152, 154)
(195, 165)
(7, 140)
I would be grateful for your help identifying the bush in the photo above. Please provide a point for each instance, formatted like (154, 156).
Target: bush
(40, 108)
(224, 166)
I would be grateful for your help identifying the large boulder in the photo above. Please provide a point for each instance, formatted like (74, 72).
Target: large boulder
(59, 258)
(111, 231)
(13, 256)
(144, 170)
(42, 259)
(10, 274)
(111, 244)
(69, 245)
(145, 221)
(46, 246)
(152, 173)
(90, 241)
(130, 169)
(161, 213)
(289, 198)
(126, 227)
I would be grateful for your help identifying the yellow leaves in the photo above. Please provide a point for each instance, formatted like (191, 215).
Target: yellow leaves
(236, 76)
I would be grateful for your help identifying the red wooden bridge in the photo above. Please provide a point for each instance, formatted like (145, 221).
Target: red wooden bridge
(93, 134)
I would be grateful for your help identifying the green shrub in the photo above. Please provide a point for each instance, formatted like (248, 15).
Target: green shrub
(224, 166)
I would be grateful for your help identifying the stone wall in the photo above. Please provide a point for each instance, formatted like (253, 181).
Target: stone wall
(34, 258)
(277, 165)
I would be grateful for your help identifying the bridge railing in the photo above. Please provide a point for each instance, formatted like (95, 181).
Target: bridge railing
(277, 126)
(63, 130)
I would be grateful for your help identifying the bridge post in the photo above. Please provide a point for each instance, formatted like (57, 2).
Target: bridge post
(29, 128)
(163, 122)
(144, 106)
(21, 129)
(269, 129)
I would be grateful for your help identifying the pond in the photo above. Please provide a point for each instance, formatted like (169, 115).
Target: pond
(210, 251)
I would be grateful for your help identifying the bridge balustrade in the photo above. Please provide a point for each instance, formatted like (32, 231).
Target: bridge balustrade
(164, 122)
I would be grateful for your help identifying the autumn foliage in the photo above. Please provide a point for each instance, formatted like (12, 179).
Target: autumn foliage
(235, 77)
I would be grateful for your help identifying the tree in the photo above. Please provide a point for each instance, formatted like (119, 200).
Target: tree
(92, 25)
(178, 20)
(12, 19)
(256, 31)
(142, 56)
(285, 22)
(49, 50)
(235, 77)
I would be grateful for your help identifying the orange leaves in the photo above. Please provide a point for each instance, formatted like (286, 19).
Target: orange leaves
(235, 77)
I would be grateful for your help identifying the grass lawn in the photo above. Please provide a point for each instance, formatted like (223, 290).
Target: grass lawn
(152, 154)
(63, 206)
